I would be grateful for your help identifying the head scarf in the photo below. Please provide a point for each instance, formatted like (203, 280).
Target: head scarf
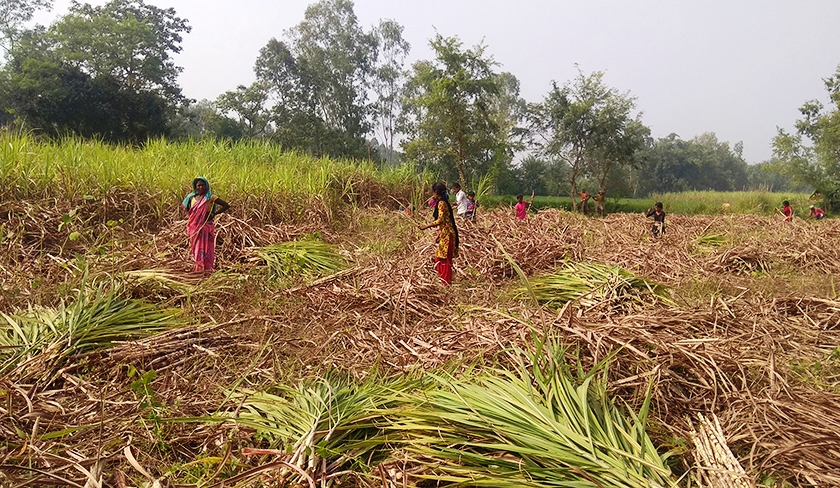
(189, 197)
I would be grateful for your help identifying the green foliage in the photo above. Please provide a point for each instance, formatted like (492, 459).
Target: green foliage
(333, 422)
(257, 176)
(308, 258)
(745, 202)
(455, 112)
(15, 13)
(388, 84)
(592, 284)
(543, 423)
(711, 240)
(318, 79)
(540, 423)
(149, 404)
(128, 40)
(101, 72)
(818, 163)
(52, 335)
(703, 163)
(587, 125)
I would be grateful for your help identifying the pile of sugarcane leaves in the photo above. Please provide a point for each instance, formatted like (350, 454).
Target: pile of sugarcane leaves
(571, 351)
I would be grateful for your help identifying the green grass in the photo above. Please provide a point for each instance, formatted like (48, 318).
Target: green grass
(742, 202)
(246, 172)
(685, 203)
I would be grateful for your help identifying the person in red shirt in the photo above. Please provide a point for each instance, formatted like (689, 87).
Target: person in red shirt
(521, 206)
(787, 211)
(816, 213)
(584, 201)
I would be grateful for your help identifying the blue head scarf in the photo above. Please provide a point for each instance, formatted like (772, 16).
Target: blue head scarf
(189, 197)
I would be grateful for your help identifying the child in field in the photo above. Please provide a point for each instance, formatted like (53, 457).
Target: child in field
(787, 211)
(521, 207)
(471, 206)
(600, 197)
(658, 215)
(816, 213)
(584, 201)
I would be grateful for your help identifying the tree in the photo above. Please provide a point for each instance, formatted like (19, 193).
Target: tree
(98, 71)
(703, 163)
(587, 125)
(811, 155)
(317, 81)
(248, 104)
(448, 109)
(57, 98)
(204, 120)
(621, 142)
(15, 13)
(125, 39)
(389, 77)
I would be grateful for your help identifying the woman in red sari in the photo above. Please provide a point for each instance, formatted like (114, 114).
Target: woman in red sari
(447, 248)
(201, 206)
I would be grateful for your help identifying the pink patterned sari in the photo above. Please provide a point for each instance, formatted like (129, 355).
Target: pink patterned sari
(202, 233)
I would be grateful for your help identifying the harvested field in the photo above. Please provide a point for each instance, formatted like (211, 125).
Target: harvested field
(749, 336)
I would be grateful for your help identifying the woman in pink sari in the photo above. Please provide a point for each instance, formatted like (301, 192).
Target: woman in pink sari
(201, 206)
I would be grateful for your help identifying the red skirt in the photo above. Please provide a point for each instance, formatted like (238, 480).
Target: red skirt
(444, 266)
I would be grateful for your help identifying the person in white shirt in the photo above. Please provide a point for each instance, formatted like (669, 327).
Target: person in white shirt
(461, 201)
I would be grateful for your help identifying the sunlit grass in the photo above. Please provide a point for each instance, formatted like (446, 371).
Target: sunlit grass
(250, 171)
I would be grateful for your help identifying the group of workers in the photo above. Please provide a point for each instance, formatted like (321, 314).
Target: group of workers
(815, 213)
(201, 206)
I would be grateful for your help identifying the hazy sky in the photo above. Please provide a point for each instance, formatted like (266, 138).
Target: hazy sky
(735, 68)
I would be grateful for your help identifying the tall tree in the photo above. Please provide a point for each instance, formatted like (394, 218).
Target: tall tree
(127, 40)
(248, 105)
(621, 141)
(317, 81)
(703, 163)
(586, 124)
(811, 155)
(448, 108)
(387, 82)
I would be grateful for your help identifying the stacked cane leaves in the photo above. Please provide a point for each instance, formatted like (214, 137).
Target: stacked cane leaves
(308, 258)
(330, 427)
(593, 285)
(40, 339)
(540, 423)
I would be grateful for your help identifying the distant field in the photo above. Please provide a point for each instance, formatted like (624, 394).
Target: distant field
(686, 203)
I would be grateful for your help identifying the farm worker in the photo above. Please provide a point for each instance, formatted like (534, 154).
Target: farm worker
(584, 201)
(725, 208)
(472, 205)
(460, 199)
(786, 211)
(816, 213)
(600, 209)
(658, 219)
(521, 207)
(201, 207)
(447, 247)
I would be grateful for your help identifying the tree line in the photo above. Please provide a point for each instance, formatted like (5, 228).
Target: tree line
(331, 87)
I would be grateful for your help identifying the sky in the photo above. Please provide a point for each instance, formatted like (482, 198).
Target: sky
(737, 68)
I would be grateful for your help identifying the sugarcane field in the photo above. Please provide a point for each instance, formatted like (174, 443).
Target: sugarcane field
(321, 348)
